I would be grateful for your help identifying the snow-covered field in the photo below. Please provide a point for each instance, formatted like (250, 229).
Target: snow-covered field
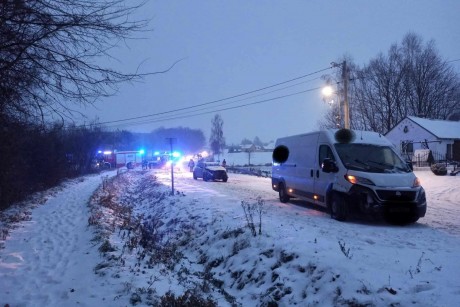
(244, 158)
(131, 243)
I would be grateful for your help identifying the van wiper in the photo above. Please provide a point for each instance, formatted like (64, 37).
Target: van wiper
(361, 162)
(381, 163)
(367, 166)
(388, 165)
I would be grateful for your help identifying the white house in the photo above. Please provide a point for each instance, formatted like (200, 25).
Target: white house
(440, 136)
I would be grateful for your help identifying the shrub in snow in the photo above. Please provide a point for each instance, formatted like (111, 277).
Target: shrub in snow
(439, 169)
(253, 211)
(106, 247)
(345, 250)
(188, 299)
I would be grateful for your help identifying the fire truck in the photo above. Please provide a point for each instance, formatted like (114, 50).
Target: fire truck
(128, 158)
(133, 158)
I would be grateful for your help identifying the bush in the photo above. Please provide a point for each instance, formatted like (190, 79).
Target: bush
(251, 211)
(439, 169)
(188, 299)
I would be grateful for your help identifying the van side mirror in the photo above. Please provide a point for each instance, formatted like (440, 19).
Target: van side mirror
(329, 166)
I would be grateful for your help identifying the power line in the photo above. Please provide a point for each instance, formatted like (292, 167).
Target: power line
(456, 60)
(239, 100)
(172, 117)
(215, 101)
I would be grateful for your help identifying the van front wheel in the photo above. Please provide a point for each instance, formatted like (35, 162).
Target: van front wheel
(338, 208)
(284, 198)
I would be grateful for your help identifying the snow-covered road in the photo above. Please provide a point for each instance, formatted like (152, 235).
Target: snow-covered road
(443, 197)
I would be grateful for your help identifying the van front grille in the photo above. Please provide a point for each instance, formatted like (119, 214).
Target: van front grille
(396, 195)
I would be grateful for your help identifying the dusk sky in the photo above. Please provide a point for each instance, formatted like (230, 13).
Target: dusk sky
(229, 48)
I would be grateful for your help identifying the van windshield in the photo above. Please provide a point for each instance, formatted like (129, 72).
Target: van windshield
(371, 158)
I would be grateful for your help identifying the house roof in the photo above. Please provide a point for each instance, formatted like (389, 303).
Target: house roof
(442, 129)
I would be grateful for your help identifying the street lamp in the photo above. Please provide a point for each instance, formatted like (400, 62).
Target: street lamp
(345, 78)
(328, 91)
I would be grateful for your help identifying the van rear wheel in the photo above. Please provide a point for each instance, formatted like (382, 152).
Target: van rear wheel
(338, 207)
(284, 198)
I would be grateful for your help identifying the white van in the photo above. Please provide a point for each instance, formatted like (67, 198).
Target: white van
(348, 171)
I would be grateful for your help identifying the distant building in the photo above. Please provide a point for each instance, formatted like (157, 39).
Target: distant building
(412, 133)
(269, 146)
(249, 147)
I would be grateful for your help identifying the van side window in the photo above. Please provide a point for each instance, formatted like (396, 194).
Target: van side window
(325, 152)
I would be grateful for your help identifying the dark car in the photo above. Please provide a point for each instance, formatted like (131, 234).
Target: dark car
(158, 161)
(210, 171)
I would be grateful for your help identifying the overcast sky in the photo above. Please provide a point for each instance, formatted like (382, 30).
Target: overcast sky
(235, 47)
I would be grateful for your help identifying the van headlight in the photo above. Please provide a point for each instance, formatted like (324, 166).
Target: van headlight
(417, 183)
(358, 180)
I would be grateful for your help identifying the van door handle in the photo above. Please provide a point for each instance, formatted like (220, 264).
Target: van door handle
(317, 173)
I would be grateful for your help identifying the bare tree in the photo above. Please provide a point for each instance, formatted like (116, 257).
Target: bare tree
(217, 139)
(379, 92)
(431, 83)
(257, 142)
(246, 141)
(411, 79)
(50, 52)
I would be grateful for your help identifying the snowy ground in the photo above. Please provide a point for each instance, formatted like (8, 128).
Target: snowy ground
(131, 243)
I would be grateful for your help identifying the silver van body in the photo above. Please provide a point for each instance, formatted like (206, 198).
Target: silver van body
(347, 171)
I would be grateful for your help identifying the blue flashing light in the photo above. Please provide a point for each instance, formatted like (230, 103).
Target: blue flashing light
(176, 154)
(156, 153)
(141, 151)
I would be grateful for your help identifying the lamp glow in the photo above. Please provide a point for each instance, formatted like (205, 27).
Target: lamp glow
(327, 91)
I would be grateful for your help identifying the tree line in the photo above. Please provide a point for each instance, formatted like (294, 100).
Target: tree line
(411, 79)
(35, 158)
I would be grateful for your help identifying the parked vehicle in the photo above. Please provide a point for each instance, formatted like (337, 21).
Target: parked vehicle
(210, 171)
(128, 158)
(158, 161)
(347, 171)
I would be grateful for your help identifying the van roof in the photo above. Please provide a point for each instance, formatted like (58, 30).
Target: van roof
(360, 136)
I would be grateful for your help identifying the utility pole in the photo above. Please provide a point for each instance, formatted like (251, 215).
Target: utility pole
(172, 164)
(346, 108)
(345, 78)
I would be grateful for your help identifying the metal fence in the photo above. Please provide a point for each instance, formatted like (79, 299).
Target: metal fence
(428, 158)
